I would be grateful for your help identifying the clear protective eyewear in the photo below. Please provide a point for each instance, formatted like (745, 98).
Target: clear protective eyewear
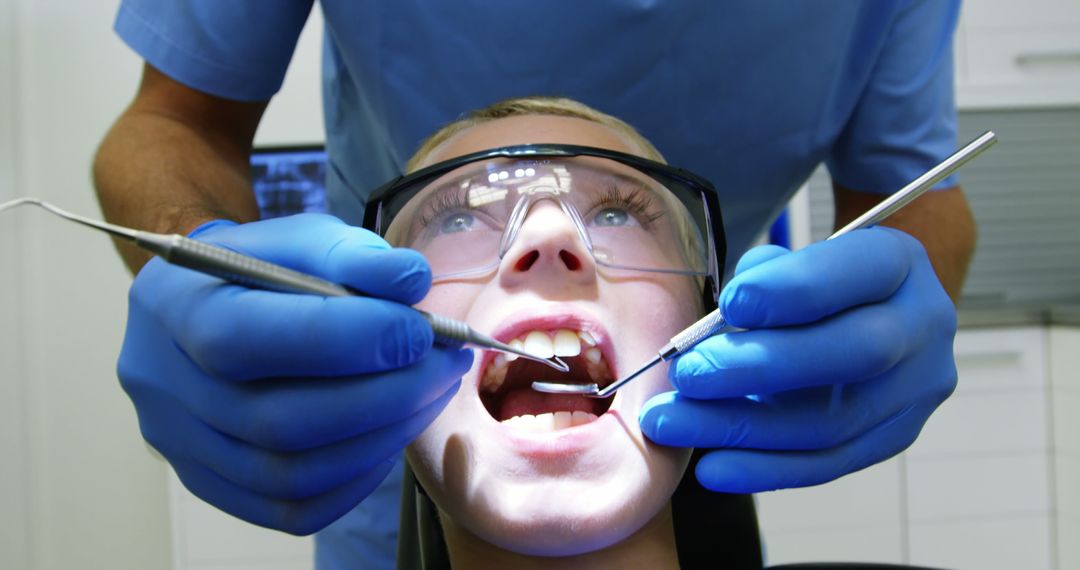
(631, 214)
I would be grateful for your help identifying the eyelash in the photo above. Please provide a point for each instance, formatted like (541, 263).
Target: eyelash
(635, 201)
(443, 202)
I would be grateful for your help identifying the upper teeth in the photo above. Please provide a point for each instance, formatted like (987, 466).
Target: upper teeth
(562, 342)
(538, 343)
(566, 343)
(545, 344)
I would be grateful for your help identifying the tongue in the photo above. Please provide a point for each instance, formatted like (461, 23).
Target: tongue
(528, 401)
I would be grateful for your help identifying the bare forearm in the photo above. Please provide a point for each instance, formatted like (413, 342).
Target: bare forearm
(941, 220)
(176, 158)
(155, 173)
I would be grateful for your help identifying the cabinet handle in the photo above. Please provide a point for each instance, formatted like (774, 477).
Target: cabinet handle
(988, 359)
(1048, 58)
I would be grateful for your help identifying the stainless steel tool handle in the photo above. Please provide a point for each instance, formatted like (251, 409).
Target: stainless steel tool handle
(448, 332)
(917, 187)
(713, 321)
(249, 271)
(236, 267)
(693, 334)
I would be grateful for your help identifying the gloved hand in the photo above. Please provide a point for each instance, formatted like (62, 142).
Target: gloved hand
(286, 410)
(864, 311)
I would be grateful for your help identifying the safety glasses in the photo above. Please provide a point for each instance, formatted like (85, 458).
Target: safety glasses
(631, 214)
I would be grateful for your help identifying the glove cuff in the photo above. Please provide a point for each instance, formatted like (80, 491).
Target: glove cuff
(210, 225)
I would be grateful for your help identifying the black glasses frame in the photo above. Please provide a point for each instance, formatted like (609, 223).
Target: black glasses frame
(682, 183)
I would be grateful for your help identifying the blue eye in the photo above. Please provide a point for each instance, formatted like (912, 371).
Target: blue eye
(459, 222)
(611, 217)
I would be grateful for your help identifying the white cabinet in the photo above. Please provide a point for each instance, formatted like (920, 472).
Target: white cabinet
(858, 518)
(977, 490)
(1064, 350)
(1018, 54)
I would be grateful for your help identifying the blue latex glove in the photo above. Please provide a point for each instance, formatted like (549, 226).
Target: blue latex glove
(286, 410)
(864, 311)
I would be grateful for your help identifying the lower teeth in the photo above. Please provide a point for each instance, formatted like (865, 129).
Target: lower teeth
(550, 421)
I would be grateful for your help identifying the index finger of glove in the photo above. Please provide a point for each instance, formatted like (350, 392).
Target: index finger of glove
(820, 280)
(851, 346)
(326, 247)
(758, 255)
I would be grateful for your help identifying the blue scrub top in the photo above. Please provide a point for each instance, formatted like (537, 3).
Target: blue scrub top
(751, 94)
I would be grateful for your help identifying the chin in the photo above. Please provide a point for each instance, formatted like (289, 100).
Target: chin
(570, 520)
(544, 474)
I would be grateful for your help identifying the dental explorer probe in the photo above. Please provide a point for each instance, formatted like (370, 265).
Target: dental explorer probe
(712, 322)
(249, 271)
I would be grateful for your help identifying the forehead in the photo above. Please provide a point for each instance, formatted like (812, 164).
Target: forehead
(531, 129)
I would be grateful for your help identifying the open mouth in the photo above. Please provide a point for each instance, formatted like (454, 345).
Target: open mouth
(506, 382)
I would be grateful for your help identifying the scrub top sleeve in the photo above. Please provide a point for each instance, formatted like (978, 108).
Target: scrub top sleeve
(905, 120)
(236, 49)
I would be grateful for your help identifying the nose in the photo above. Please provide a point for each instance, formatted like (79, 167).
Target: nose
(547, 250)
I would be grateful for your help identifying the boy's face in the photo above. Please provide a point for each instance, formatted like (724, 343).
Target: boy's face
(533, 485)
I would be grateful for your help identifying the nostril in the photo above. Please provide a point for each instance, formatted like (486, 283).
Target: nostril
(570, 260)
(527, 261)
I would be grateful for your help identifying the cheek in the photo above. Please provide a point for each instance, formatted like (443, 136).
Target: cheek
(658, 308)
(651, 312)
(428, 453)
(441, 456)
(453, 300)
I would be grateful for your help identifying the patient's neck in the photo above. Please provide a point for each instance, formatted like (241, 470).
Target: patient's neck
(652, 546)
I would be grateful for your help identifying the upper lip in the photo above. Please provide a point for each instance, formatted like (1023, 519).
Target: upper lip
(549, 317)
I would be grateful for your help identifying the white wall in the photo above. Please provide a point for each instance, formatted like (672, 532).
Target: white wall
(78, 488)
(90, 495)
(14, 510)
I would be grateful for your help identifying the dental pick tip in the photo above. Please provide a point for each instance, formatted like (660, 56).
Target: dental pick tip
(558, 364)
(554, 362)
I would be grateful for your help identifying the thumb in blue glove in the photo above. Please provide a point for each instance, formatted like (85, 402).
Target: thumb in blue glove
(286, 410)
(864, 311)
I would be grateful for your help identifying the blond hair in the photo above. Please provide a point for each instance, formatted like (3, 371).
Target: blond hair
(534, 105)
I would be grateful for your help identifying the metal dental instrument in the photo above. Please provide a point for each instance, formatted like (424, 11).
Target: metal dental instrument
(712, 322)
(245, 270)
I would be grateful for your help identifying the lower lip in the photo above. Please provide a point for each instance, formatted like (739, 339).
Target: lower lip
(561, 442)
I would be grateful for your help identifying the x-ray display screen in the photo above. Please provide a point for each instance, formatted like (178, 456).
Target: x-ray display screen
(289, 180)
